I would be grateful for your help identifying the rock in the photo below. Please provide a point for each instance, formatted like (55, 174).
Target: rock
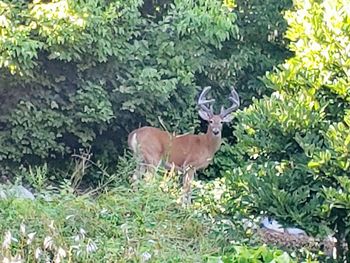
(2, 194)
(15, 191)
(271, 232)
(295, 231)
(272, 224)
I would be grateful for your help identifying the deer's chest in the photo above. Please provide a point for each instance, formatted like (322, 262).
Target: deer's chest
(199, 158)
(193, 150)
(202, 160)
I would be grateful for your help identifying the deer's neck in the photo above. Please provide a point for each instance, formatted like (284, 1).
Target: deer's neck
(214, 142)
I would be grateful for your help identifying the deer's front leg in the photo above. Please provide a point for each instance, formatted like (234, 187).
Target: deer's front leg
(187, 184)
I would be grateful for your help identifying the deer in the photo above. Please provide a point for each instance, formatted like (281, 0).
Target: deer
(186, 152)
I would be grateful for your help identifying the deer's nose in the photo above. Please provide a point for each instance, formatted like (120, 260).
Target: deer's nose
(216, 131)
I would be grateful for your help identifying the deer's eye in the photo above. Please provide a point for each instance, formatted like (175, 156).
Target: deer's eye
(211, 121)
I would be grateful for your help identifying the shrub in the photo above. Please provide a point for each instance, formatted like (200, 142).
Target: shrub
(293, 147)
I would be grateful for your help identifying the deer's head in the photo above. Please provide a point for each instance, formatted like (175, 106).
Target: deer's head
(215, 121)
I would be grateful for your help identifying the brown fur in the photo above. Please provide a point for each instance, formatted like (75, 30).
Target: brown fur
(155, 145)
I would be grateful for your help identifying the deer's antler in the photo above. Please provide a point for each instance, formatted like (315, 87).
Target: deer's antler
(234, 98)
(202, 101)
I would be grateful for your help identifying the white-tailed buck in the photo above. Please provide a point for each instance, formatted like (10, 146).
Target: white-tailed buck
(184, 152)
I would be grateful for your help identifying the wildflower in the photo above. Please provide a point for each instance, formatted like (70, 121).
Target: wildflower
(22, 229)
(3, 21)
(30, 238)
(37, 253)
(61, 252)
(82, 233)
(48, 242)
(7, 240)
(91, 247)
(145, 257)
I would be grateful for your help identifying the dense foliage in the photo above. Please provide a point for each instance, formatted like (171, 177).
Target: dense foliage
(73, 70)
(293, 147)
(258, 48)
(76, 74)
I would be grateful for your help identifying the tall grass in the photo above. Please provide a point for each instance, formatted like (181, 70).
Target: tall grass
(120, 225)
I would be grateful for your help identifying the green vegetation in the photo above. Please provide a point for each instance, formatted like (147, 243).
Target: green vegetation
(118, 226)
(293, 147)
(77, 76)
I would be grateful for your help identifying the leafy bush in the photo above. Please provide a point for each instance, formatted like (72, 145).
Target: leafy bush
(293, 147)
(80, 74)
(256, 255)
(259, 47)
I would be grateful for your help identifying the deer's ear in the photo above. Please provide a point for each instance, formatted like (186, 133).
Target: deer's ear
(204, 115)
(228, 118)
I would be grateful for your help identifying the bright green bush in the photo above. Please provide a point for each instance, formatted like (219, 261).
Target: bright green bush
(293, 147)
(260, 254)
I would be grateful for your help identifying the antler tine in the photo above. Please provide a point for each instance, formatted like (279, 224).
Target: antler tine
(234, 98)
(202, 101)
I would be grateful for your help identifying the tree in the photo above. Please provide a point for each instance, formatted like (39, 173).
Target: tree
(76, 74)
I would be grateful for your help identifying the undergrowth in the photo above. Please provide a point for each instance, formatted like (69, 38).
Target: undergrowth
(119, 222)
(119, 225)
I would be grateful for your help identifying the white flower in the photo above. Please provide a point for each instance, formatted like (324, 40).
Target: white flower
(37, 253)
(22, 229)
(80, 235)
(3, 21)
(82, 232)
(7, 240)
(30, 238)
(145, 257)
(61, 252)
(91, 247)
(48, 242)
